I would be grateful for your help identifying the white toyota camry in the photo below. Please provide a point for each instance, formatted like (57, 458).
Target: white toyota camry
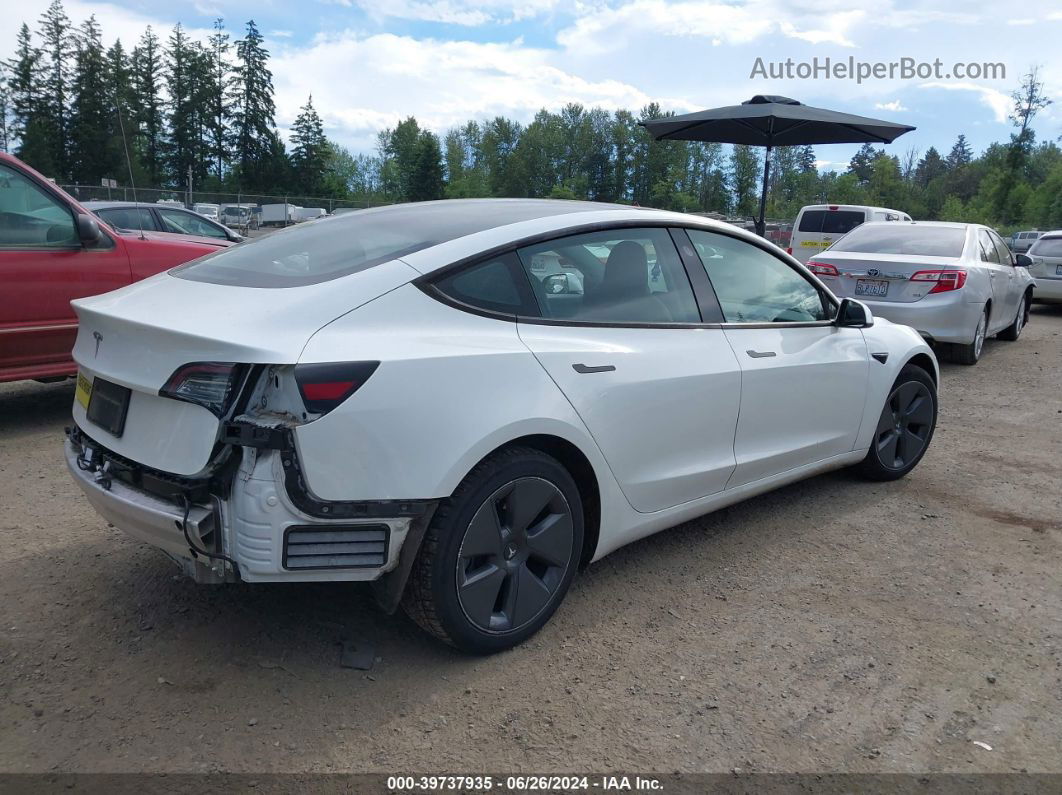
(466, 401)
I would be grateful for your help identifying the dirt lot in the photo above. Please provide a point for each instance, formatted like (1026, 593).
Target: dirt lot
(835, 625)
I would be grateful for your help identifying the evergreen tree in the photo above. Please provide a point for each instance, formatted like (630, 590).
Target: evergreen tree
(931, 166)
(862, 163)
(91, 110)
(147, 79)
(218, 95)
(745, 177)
(23, 84)
(181, 110)
(252, 111)
(309, 151)
(58, 50)
(961, 154)
(426, 180)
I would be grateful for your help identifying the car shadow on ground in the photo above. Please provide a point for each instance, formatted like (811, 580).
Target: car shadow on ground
(27, 406)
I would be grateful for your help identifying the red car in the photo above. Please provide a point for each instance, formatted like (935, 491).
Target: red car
(53, 250)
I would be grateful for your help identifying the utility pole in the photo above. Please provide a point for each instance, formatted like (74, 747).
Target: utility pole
(190, 187)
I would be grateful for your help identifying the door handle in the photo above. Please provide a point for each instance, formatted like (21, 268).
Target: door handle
(583, 369)
(760, 354)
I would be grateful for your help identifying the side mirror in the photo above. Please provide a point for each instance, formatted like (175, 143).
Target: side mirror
(1022, 261)
(88, 230)
(561, 284)
(853, 314)
(235, 237)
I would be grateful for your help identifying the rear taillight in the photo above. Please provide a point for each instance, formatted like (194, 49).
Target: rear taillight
(821, 268)
(788, 249)
(945, 280)
(211, 385)
(325, 386)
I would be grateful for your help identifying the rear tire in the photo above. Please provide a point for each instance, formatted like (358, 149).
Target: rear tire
(1013, 331)
(970, 353)
(905, 426)
(499, 555)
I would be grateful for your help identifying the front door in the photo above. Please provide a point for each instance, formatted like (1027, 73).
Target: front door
(803, 380)
(43, 266)
(620, 337)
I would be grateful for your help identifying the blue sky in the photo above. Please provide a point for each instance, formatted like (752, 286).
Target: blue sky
(370, 64)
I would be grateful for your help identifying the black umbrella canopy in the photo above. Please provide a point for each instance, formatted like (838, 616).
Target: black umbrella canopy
(775, 121)
(770, 121)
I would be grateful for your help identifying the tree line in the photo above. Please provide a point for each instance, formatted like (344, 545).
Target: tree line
(165, 111)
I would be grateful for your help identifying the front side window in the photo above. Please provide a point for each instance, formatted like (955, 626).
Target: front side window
(754, 286)
(30, 217)
(1001, 249)
(188, 223)
(621, 276)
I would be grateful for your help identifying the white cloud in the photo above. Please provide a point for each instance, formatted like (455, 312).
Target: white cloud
(469, 13)
(996, 100)
(895, 106)
(281, 34)
(363, 83)
(1021, 22)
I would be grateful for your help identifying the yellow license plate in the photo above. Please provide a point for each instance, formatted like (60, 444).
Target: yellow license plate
(814, 244)
(84, 390)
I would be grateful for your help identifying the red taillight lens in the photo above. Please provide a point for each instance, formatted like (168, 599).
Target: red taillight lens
(325, 386)
(821, 268)
(211, 385)
(788, 249)
(945, 280)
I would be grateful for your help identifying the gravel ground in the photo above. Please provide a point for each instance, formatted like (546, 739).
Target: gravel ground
(835, 625)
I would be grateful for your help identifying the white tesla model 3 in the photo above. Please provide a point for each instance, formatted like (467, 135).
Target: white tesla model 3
(464, 401)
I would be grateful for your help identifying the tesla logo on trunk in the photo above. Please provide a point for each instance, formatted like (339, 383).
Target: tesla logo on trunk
(99, 339)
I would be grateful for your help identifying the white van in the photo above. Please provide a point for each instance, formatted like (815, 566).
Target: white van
(817, 226)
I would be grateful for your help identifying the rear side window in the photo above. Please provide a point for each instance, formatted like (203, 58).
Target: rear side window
(497, 285)
(930, 241)
(129, 218)
(831, 222)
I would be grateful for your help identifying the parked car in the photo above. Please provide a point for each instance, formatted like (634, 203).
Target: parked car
(53, 250)
(954, 283)
(240, 216)
(392, 395)
(164, 219)
(1045, 266)
(818, 226)
(1020, 242)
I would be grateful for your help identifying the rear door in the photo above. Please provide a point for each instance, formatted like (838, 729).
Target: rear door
(43, 266)
(1001, 276)
(818, 229)
(658, 391)
(1015, 284)
(803, 380)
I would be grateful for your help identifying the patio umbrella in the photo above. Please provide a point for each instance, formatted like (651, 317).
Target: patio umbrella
(772, 121)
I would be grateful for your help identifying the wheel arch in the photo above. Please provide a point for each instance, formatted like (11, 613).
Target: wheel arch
(925, 361)
(582, 471)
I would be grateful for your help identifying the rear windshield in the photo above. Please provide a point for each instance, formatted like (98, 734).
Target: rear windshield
(928, 241)
(831, 222)
(1047, 247)
(325, 250)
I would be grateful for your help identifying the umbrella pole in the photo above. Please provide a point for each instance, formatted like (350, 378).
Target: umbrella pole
(761, 223)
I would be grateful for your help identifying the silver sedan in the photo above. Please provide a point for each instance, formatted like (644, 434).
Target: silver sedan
(953, 283)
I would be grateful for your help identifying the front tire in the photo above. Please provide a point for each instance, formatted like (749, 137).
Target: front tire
(970, 354)
(905, 426)
(1013, 331)
(500, 554)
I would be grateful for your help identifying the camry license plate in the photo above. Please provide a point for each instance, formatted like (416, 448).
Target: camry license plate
(871, 287)
(83, 391)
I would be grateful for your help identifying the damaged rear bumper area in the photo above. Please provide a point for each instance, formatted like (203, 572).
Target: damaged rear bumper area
(247, 524)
